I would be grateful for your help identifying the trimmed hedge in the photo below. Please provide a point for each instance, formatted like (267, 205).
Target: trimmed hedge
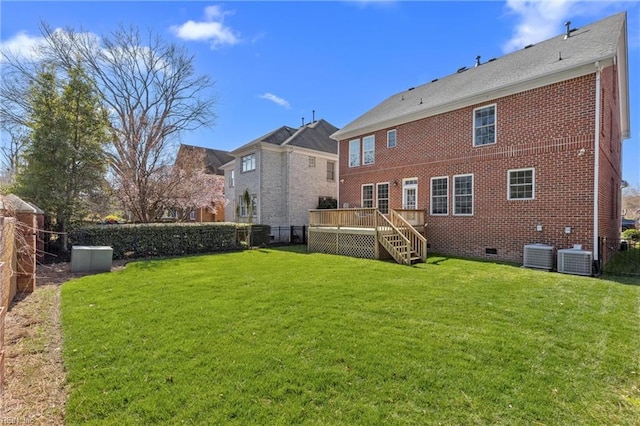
(260, 234)
(149, 240)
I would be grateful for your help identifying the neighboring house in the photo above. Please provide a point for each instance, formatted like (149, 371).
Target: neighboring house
(212, 160)
(287, 172)
(521, 149)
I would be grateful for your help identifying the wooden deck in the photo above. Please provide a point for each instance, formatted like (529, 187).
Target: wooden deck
(366, 233)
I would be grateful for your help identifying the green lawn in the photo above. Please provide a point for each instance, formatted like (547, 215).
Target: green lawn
(284, 337)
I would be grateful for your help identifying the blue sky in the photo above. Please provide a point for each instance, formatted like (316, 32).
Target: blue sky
(275, 62)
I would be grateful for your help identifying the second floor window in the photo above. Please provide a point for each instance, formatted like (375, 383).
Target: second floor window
(354, 153)
(248, 163)
(368, 149)
(331, 171)
(484, 125)
(391, 139)
(232, 178)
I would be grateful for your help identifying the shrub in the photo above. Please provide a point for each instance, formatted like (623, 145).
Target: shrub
(631, 234)
(327, 203)
(147, 240)
(260, 234)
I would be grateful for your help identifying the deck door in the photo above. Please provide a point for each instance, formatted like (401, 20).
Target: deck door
(410, 194)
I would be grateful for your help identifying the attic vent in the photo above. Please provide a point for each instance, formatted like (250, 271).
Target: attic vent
(528, 46)
(434, 80)
(492, 59)
(410, 89)
(461, 69)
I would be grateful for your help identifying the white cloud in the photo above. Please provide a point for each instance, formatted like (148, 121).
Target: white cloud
(22, 46)
(276, 99)
(542, 19)
(539, 20)
(212, 29)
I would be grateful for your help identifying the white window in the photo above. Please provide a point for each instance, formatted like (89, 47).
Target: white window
(312, 161)
(382, 190)
(484, 125)
(410, 193)
(192, 215)
(440, 196)
(248, 163)
(244, 208)
(331, 171)
(367, 196)
(354, 153)
(463, 195)
(368, 149)
(521, 184)
(391, 138)
(232, 179)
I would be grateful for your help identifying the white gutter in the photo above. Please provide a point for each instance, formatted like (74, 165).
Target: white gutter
(596, 167)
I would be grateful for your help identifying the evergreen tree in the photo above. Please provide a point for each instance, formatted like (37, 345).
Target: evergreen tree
(65, 158)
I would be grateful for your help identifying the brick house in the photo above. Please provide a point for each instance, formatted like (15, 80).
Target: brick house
(521, 149)
(287, 172)
(212, 160)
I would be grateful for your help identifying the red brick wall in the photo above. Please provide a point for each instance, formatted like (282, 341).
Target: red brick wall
(550, 129)
(610, 210)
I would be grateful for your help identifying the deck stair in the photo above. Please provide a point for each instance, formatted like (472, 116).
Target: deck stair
(401, 240)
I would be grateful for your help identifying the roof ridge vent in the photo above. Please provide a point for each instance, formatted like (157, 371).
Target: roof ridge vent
(528, 46)
(463, 69)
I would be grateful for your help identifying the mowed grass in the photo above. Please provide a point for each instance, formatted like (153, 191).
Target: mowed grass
(285, 337)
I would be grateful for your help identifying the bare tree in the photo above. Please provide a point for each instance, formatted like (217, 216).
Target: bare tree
(12, 150)
(153, 94)
(19, 74)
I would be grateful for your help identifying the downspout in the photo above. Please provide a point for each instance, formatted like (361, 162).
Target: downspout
(288, 195)
(259, 194)
(596, 170)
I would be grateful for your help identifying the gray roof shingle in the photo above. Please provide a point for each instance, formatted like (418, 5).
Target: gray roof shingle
(315, 136)
(213, 159)
(586, 45)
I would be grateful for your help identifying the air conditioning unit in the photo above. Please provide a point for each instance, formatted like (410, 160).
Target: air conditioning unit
(539, 256)
(574, 261)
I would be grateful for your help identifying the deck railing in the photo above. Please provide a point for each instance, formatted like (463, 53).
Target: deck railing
(414, 217)
(343, 218)
(411, 244)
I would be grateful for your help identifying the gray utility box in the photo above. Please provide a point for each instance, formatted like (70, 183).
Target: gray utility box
(91, 258)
